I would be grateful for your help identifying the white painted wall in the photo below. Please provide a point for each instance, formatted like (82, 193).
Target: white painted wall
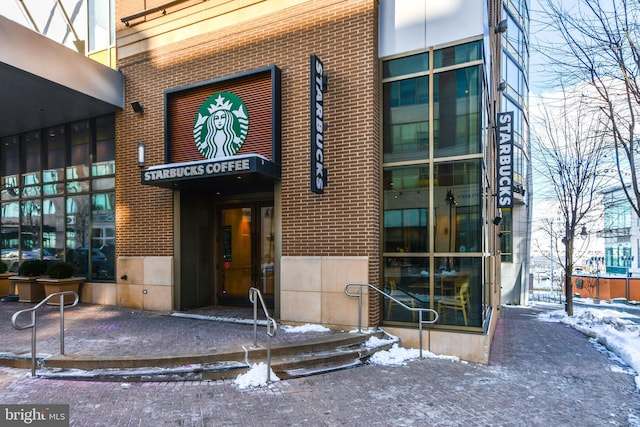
(409, 25)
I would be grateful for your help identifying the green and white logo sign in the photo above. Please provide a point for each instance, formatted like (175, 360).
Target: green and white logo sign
(221, 125)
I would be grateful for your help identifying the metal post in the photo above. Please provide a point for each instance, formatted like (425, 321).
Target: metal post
(420, 328)
(62, 325)
(33, 344)
(255, 317)
(627, 259)
(359, 309)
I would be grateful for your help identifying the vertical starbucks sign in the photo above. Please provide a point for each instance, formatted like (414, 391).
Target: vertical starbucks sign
(504, 159)
(318, 170)
(221, 126)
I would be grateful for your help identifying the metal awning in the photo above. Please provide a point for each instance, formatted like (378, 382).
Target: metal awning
(44, 83)
(232, 174)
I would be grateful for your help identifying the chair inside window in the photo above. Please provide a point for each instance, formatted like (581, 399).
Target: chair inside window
(460, 302)
(400, 296)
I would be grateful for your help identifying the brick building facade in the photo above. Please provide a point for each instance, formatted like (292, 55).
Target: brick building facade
(187, 235)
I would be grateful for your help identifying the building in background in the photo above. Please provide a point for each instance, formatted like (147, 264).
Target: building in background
(621, 233)
(516, 225)
(57, 134)
(294, 147)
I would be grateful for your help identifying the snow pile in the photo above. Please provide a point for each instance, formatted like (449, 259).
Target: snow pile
(618, 331)
(304, 328)
(255, 377)
(374, 342)
(397, 356)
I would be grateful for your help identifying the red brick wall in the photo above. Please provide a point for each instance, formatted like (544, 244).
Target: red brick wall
(343, 34)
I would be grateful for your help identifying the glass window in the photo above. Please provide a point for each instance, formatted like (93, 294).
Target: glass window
(458, 208)
(80, 143)
(406, 279)
(31, 163)
(514, 76)
(406, 191)
(406, 114)
(105, 153)
(53, 226)
(407, 65)
(459, 54)
(30, 222)
(457, 112)
(432, 208)
(10, 235)
(506, 236)
(103, 236)
(458, 291)
(101, 28)
(46, 197)
(77, 235)
(55, 158)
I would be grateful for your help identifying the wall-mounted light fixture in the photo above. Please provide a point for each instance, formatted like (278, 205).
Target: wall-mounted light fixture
(141, 154)
(502, 86)
(498, 219)
(501, 27)
(137, 107)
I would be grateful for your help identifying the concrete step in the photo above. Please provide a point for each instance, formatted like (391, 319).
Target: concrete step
(310, 357)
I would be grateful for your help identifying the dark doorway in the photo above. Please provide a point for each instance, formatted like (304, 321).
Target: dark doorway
(197, 245)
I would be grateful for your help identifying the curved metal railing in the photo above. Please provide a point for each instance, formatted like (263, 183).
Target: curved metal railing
(33, 324)
(420, 311)
(272, 326)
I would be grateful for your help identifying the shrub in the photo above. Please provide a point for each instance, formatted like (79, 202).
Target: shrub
(60, 270)
(32, 268)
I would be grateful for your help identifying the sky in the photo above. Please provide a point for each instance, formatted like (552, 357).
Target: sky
(607, 326)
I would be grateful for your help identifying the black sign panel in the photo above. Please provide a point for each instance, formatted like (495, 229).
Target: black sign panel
(504, 160)
(318, 170)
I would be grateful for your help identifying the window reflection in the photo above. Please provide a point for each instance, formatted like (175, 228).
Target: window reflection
(406, 209)
(406, 280)
(406, 112)
(48, 211)
(457, 112)
(458, 208)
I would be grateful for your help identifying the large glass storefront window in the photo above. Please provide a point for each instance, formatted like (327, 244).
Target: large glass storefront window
(52, 206)
(433, 172)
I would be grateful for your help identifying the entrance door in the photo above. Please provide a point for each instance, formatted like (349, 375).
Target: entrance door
(246, 254)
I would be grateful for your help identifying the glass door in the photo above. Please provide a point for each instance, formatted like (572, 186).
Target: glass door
(247, 253)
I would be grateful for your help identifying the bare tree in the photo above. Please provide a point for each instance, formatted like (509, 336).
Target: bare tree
(570, 148)
(599, 46)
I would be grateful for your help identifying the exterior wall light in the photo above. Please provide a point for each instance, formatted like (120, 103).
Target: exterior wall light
(141, 154)
(137, 107)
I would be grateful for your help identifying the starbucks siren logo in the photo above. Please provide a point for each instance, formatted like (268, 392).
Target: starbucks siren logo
(221, 125)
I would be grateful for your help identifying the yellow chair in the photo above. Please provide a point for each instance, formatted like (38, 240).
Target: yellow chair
(459, 302)
(399, 295)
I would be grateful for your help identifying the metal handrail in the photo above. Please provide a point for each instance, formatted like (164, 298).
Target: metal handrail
(272, 325)
(33, 324)
(386, 295)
